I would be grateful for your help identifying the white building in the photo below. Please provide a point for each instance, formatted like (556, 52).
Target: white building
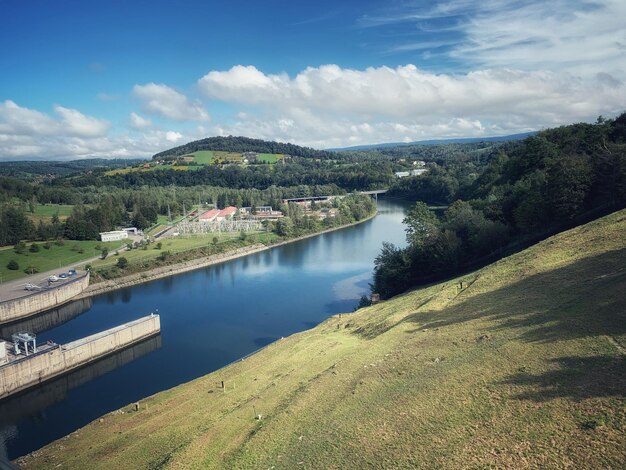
(113, 236)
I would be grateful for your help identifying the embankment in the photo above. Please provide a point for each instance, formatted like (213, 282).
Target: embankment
(22, 372)
(517, 365)
(40, 301)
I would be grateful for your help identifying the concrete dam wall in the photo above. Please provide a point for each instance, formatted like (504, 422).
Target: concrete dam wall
(22, 372)
(36, 302)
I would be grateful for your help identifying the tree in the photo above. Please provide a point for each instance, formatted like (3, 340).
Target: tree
(13, 265)
(105, 253)
(421, 224)
(34, 248)
(122, 262)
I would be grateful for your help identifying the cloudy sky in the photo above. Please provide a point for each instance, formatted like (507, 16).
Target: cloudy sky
(126, 78)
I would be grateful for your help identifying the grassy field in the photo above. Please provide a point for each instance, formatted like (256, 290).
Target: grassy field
(518, 365)
(175, 245)
(47, 211)
(47, 259)
(203, 157)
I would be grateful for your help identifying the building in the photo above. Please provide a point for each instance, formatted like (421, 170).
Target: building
(113, 236)
(402, 174)
(226, 213)
(209, 216)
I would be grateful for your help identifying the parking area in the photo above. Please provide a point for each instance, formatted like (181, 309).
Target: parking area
(36, 283)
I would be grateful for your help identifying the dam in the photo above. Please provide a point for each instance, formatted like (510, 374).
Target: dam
(24, 364)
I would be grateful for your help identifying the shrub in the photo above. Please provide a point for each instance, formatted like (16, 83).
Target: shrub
(75, 247)
(98, 247)
(159, 246)
(105, 253)
(20, 247)
(46, 246)
(164, 255)
(34, 248)
(59, 242)
(13, 265)
(122, 263)
(31, 269)
(215, 240)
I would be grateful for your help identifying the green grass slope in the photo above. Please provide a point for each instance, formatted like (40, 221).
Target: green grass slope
(517, 365)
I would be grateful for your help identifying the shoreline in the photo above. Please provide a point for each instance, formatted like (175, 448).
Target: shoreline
(198, 263)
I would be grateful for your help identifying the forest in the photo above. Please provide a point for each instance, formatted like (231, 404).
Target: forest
(545, 184)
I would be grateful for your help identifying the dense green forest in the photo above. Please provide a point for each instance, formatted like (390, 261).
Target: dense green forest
(544, 184)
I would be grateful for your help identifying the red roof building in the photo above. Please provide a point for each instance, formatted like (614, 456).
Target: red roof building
(209, 215)
(228, 212)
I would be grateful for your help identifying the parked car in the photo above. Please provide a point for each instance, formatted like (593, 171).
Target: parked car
(63, 276)
(53, 278)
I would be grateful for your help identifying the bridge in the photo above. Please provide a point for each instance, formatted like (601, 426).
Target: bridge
(373, 193)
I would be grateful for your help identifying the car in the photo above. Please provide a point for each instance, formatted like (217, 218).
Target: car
(29, 286)
(53, 278)
(63, 276)
(71, 273)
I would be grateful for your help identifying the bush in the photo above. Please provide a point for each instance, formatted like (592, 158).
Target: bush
(215, 240)
(105, 253)
(20, 247)
(98, 247)
(31, 269)
(13, 265)
(158, 246)
(46, 246)
(122, 263)
(59, 242)
(34, 248)
(164, 255)
(75, 247)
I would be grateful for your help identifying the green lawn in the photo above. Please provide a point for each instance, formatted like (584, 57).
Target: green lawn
(55, 257)
(517, 365)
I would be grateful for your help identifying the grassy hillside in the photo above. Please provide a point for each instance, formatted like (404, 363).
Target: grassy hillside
(518, 365)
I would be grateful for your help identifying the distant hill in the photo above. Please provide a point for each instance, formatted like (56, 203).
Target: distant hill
(39, 168)
(468, 140)
(243, 144)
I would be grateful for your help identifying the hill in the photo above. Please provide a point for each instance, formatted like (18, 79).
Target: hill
(517, 365)
(466, 140)
(240, 145)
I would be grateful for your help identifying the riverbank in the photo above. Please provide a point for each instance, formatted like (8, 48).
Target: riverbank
(103, 287)
(519, 364)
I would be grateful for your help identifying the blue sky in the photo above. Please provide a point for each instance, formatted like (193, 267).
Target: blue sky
(130, 78)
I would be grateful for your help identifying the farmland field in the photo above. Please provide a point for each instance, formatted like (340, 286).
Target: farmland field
(46, 212)
(203, 157)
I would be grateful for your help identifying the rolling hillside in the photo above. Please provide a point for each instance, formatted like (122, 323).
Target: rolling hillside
(518, 365)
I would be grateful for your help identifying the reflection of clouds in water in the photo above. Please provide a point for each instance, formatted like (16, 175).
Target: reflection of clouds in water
(352, 287)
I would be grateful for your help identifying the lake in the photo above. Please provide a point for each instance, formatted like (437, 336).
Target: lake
(209, 318)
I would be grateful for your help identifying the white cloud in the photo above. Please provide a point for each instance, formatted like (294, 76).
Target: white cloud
(76, 123)
(138, 122)
(413, 96)
(26, 134)
(173, 136)
(163, 100)
(579, 36)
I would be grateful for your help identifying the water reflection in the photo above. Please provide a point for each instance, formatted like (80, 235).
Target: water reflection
(46, 320)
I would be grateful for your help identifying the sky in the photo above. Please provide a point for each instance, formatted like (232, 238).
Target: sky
(126, 78)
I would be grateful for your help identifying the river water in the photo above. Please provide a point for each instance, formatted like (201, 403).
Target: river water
(209, 318)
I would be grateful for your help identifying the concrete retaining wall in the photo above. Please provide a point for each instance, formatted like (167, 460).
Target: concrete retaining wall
(11, 310)
(19, 374)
